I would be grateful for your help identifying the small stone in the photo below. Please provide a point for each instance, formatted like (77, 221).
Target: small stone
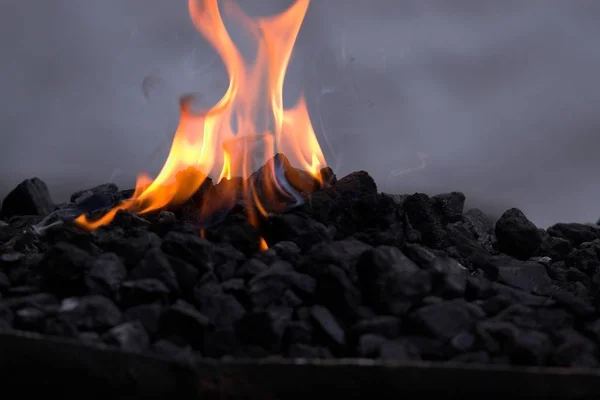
(129, 336)
(271, 284)
(147, 314)
(90, 313)
(264, 328)
(517, 236)
(450, 205)
(156, 265)
(30, 197)
(29, 319)
(388, 279)
(4, 283)
(193, 249)
(447, 319)
(369, 345)
(106, 273)
(143, 291)
(327, 325)
(184, 321)
(386, 325)
(63, 270)
(574, 232)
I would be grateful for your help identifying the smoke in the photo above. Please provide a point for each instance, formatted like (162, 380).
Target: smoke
(503, 98)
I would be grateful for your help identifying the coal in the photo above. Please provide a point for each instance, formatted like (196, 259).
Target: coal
(30, 197)
(350, 272)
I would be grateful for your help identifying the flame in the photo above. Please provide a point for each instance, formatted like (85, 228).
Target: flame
(206, 143)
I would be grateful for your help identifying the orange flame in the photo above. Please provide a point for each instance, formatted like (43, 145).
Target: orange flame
(206, 144)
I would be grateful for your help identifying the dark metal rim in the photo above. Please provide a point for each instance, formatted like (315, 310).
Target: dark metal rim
(56, 362)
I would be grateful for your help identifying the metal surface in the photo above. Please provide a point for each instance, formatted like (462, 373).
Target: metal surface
(31, 362)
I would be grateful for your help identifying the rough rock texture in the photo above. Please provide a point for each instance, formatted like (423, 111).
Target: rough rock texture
(350, 273)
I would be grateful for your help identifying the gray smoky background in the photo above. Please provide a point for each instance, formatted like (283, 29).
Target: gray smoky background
(497, 99)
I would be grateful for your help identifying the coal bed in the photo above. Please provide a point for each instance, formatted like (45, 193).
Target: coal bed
(349, 273)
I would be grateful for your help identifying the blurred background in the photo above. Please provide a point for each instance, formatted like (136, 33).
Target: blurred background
(497, 99)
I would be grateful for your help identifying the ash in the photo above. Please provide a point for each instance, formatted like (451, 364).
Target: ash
(350, 273)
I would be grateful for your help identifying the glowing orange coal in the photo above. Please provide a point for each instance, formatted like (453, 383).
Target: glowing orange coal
(206, 144)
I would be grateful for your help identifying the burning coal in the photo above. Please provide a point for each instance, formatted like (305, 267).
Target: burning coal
(224, 140)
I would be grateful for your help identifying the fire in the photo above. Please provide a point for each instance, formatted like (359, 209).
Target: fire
(210, 144)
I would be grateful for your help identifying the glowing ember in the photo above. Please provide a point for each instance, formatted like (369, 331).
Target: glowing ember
(207, 144)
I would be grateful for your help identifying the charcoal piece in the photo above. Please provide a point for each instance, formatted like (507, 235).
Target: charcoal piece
(297, 332)
(421, 255)
(6, 318)
(373, 218)
(264, 328)
(336, 291)
(91, 313)
(268, 286)
(574, 232)
(300, 229)
(386, 326)
(184, 321)
(238, 232)
(369, 345)
(105, 275)
(399, 350)
(449, 277)
(555, 247)
(483, 225)
(286, 250)
(517, 236)
(356, 184)
(89, 338)
(4, 283)
(129, 336)
(143, 291)
(462, 342)
(586, 258)
(318, 205)
(147, 314)
(24, 290)
(301, 350)
(495, 336)
(156, 265)
(62, 270)
(343, 253)
(574, 350)
(447, 319)
(531, 277)
(171, 350)
(58, 325)
(389, 279)
(519, 296)
(29, 319)
(38, 300)
(478, 287)
(422, 216)
(530, 347)
(186, 275)
(97, 198)
(250, 269)
(30, 197)
(128, 220)
(193, 249)
(226, 270)
(223, 310)
(237, 288)
(327, 329)
(449, 205)
(131, 245)
(286, 191)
